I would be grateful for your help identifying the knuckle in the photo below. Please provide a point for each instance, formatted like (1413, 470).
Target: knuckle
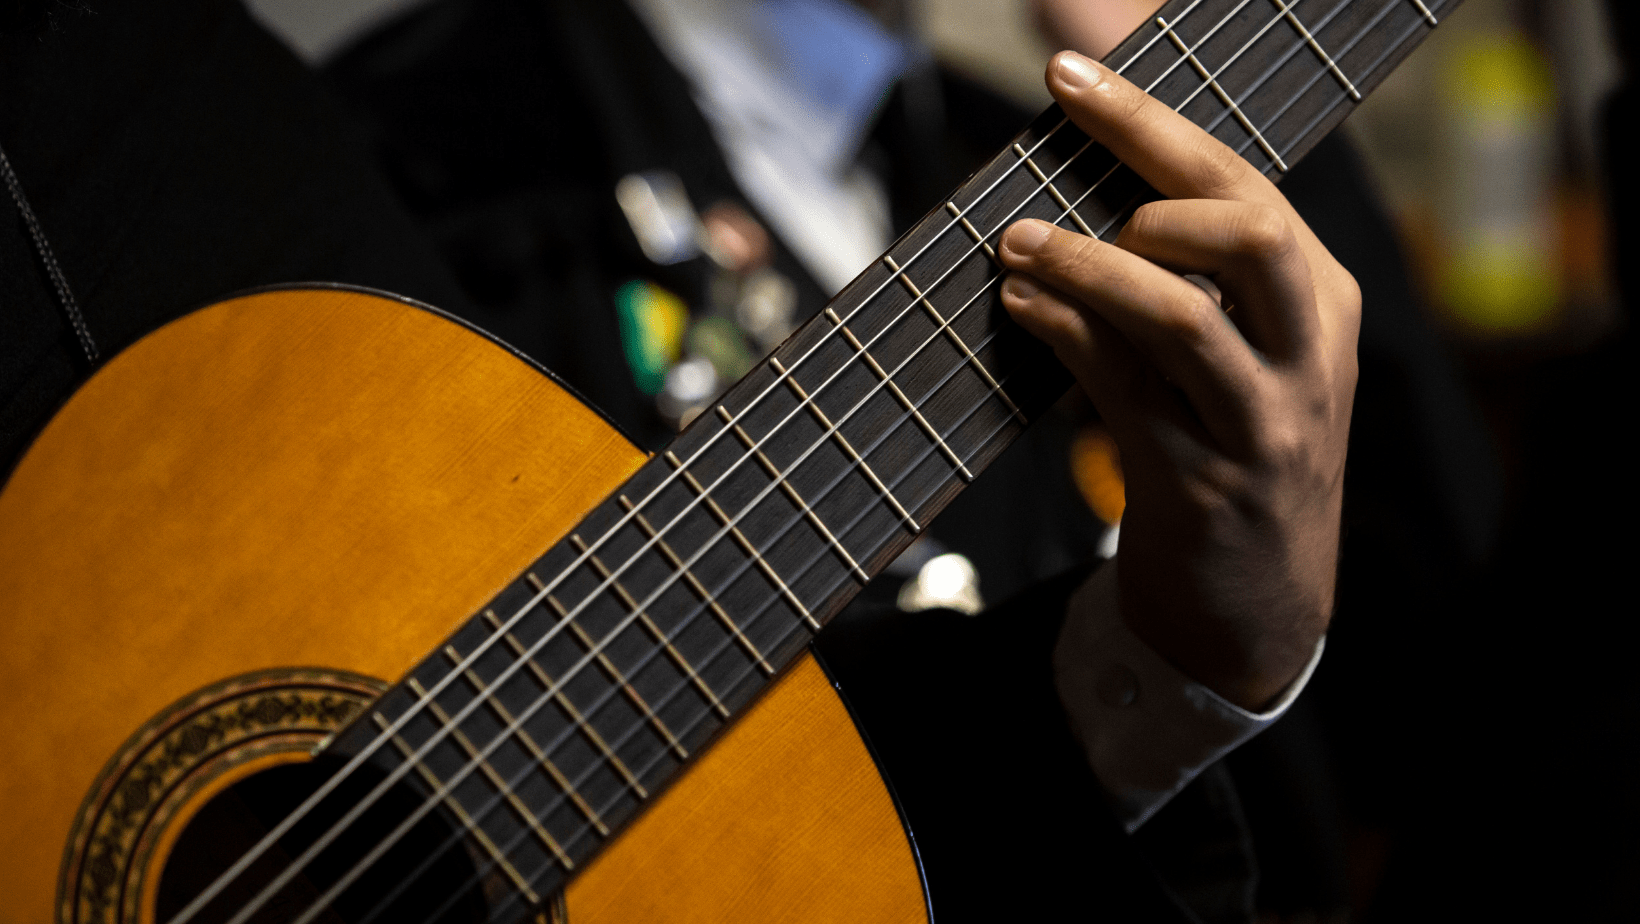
(1345, 376)
(1149, 220)
(1219, 169)
(1216, 484)
(1192, 317)
(1079, 255)
(1348, 294)
(1285, 446)
(1066, 330)
(1302, 449)
(1262, 232)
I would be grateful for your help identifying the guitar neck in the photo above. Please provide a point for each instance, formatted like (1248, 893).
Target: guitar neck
(551, 717)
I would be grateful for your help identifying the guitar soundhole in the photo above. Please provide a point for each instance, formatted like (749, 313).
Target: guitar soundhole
(396, 889)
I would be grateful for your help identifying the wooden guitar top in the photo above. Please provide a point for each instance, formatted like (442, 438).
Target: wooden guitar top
(333, 479)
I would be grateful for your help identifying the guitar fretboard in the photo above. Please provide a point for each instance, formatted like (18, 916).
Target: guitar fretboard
(551, 718)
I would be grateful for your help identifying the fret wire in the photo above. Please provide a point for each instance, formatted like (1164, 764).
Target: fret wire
(398, 773)
(539, 755)
(973, 232)
(1183, 14)
(574, 714)
(1212, 81)
(614, 674)
(887, 379)
(1195, 46)
(359, 867)
(1046, 184)
(641, 611)
(746, 545)
(927, 452)
(377, 744)
(1175, 62)
(497, 856)
(1315, 46)
(1378, 62)
(848, 449)
(489, 773)
(700, 591)
(797, 500)
(951, 332)
(678, 688)
(569, 617)
(1265, 75)
(1280, 61)
(371, 747)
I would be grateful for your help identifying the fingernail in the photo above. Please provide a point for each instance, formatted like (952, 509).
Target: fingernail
(1077, 72)
(1026, 237)
(1020, 287)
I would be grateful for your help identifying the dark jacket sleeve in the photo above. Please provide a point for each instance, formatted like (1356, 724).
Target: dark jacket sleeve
(1007, 817)
(174, 153)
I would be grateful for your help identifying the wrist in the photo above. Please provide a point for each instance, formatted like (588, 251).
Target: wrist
(1248, 659)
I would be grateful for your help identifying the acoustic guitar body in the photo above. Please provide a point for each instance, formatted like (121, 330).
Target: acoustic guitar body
(244, 526)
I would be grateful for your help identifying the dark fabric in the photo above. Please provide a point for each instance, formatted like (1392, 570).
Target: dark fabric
(174, 153)
(505, 126)
(1528, 811)
(1008, 818)
(1423, 495)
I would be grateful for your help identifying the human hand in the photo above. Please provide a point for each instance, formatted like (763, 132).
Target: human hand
(1232, 424)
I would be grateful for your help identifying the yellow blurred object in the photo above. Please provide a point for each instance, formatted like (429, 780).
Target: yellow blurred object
(1502, 275)
(1096, 466)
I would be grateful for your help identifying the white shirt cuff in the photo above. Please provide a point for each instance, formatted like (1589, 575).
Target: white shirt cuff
(1146, 728)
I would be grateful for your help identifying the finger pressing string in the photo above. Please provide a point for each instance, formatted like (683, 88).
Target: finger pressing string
(1169, 151)
(1170, 322)
(1250, 251)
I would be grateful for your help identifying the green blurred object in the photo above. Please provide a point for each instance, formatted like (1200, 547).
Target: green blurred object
(720, 341)
(652, 322)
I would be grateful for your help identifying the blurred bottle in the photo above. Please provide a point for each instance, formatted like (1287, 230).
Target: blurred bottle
(1501, 272)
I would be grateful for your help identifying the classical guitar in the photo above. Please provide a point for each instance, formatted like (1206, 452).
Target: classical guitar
(319, 606)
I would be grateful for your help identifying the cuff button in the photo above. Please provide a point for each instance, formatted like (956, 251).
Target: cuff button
(1118, 687)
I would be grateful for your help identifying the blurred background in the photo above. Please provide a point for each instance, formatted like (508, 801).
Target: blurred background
(1468, 747)
(1485, 146)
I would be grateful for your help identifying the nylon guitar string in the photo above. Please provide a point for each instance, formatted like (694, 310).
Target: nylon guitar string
(1135, 57)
